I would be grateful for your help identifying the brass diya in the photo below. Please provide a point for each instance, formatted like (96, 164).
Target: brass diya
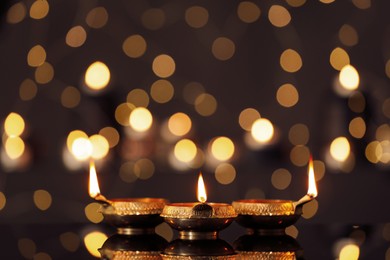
(198, 220)
(273, 216)
(130, 247)
(133, 215)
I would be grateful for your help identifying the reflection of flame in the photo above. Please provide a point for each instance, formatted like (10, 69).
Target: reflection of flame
(312, 190)
(202, 196)
(93, 181)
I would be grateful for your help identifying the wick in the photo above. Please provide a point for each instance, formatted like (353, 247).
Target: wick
(202, 199)
(305, 199)
(100, 198)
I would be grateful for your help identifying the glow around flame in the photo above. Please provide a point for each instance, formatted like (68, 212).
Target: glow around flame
(202, 196)
(93, 188)
(312, 190)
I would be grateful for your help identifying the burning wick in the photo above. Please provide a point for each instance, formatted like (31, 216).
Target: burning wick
(94, 190)
(202, 196)
(312, 189)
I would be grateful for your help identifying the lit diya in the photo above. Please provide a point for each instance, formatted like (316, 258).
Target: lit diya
(273, 216)
(199, 220)
(128, 215)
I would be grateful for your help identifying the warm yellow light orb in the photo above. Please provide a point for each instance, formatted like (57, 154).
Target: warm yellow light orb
(93, 241)
(14, 125)
(100, 146)
(185, 150)
(340, 149)
(97, 75)
(141, 119)
(222, 148)
(349, 77)
(262, 130)
(82, 148)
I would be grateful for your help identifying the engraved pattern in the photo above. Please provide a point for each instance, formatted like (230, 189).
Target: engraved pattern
(184, 210)
(141, 207)
(127, 255)
(267, 255)
(174, 257)
(266, 208)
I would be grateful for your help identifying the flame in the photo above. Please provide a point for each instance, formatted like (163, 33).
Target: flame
(93, 181)
(202, 196)
(312, 190)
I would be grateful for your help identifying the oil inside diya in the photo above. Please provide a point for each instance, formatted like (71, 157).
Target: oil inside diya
(198, 220)
(133, 215)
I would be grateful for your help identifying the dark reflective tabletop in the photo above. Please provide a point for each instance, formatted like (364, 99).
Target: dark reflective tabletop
(73, 241)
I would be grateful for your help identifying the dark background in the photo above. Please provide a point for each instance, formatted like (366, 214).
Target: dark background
(249, 79)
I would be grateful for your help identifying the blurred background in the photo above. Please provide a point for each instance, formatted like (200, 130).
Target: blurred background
(157, 91)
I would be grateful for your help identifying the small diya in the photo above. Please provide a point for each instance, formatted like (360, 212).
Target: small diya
(199, 220)
(273, 216)
(130, 247)
(128, 215)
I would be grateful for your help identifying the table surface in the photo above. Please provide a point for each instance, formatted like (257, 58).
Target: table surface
(318, 241)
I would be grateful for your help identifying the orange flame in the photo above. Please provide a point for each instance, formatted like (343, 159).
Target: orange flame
(202, 196)
(312, 190)
(93, 187)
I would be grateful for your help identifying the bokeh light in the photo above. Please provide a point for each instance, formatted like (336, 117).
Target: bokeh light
(122, 113)
(196, 16)
(192, 91)
(247, 117)
(138, 97)
(82, 148)
(248, 12)
(97, 76)
(262, 130)
(140, 119)
(27, 248)
(310, 209)
(44, 73)
(93, 241)
(292, 231)
(349, 252)
(111, 135)
(3, 200)
(179, 124)
(348, 35)
(287, 95)
(163, 66)
(296, 3)
(97, 17)
(36, 56)
(185, 150)
(144, 169)
(134, 46)
(14, 124)
(127, 172)
(14, 147)
(28, 90)
(339, 58)
(42, 256)
(16, 13)
(223, 48)
(72, 136)
(357, 127)
(42, 199)
(39, 9)
(290, 61)
(165, 231)
(299, 134)
(100, 146)
(92, 212)
(362, 4)
(300, 155)
(340, 148)
(349, 77)
(70, 241)
(162, 91)
(281, 179)
(225, 173)
(206, 104)
(279, 16)
(76, 36)
(70, 97)
(222, 148)
(153, 18)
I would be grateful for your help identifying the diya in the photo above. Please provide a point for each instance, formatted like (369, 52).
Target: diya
(128, 215)
(267, 216)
